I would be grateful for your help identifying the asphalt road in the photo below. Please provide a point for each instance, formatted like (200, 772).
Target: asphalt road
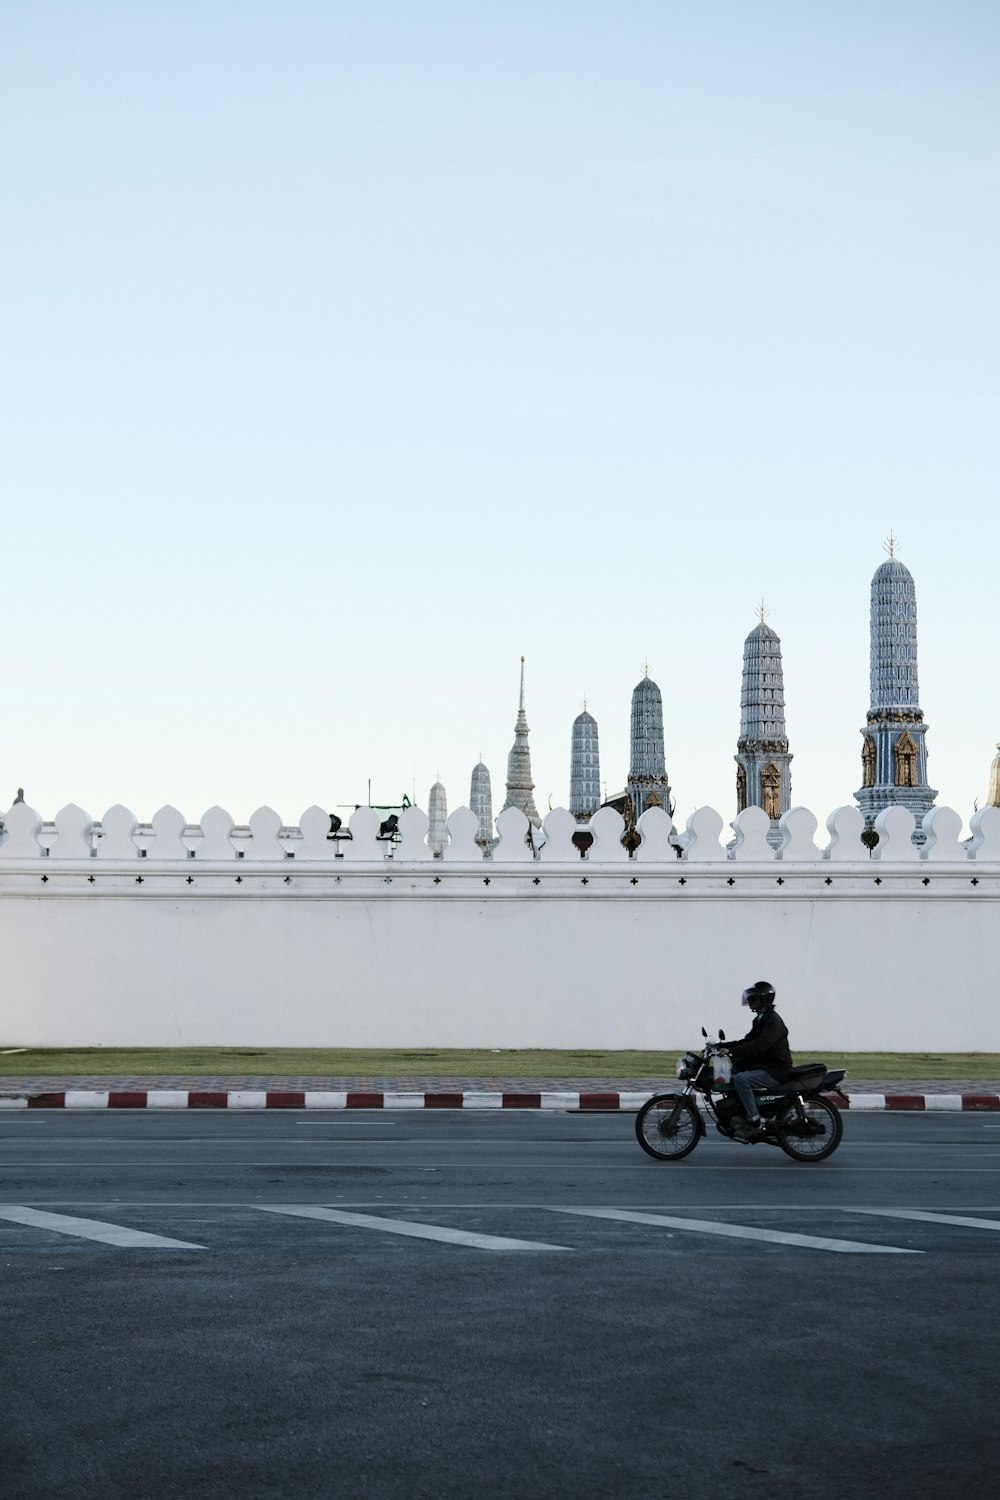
(450, 1304)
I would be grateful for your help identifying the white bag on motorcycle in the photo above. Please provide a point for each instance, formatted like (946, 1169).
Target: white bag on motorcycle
(722, 1069)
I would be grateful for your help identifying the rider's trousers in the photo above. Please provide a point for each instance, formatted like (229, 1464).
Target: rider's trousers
(746, 1082)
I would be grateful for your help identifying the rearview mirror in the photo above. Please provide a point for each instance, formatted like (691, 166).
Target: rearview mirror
(704, 1033)
(722, 1036)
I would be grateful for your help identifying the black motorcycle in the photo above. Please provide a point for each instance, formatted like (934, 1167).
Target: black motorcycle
(796, 1117)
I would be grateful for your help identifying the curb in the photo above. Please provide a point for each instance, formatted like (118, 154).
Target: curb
(458, 1099)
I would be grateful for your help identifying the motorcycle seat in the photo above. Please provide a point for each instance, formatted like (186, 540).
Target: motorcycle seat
(808, 1076)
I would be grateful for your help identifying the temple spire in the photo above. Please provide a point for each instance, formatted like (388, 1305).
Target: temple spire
(481, 802)
(648, 784)
(519, 783)
(763, 762)
(585, 767)
(437, 813)
(894, 749)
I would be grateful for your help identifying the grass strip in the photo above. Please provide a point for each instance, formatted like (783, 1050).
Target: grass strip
(455, 1062)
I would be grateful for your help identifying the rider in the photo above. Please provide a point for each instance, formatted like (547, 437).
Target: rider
(761, 1059)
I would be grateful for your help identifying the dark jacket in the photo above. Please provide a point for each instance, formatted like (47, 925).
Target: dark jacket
(764, 1046)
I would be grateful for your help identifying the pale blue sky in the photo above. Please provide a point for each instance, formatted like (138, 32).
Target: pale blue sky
(350, 351)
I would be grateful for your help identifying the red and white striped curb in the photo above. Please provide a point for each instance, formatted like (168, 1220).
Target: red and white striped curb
(458, 1099)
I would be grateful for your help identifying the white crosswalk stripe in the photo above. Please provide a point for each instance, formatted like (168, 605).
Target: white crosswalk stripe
(926, 1217)
(409, 1228)
(738, 1231)
(233, 1219)
(93, 1229)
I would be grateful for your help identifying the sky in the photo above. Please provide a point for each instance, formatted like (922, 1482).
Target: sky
(349, 352)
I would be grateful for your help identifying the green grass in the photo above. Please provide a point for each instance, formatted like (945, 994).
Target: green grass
(926, 1065)
(454, 1062)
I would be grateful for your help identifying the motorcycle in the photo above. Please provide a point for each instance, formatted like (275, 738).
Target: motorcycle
(796, 1117)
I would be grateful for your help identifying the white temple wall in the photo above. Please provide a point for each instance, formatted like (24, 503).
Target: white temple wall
(900, 969)
(105, 946)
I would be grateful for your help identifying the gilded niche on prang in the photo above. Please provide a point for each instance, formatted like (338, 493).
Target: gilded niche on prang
(905, 760)
(868, 761)
(770, 787)
(741, 789)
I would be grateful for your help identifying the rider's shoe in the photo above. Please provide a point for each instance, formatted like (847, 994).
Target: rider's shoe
(754, 1130)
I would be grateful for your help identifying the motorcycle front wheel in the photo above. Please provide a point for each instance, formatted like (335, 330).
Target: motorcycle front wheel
(811, 1134)
(657, 1136)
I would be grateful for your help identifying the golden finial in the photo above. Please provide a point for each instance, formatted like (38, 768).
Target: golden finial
(890, 544)
(762, 611)
(645, 666)
(583, 703)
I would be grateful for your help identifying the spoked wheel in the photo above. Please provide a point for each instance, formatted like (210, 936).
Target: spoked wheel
(809, 1130)
(660, 1138)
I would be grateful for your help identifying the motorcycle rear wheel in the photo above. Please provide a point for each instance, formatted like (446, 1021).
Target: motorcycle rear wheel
(813, 1138)
(651, 1127)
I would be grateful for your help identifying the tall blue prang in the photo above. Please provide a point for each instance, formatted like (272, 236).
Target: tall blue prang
(648, 784)
(894, 748)
(585, 768)
(763, 761)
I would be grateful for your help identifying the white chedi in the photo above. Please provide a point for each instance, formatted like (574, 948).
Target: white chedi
(437, 812)
(481, 803)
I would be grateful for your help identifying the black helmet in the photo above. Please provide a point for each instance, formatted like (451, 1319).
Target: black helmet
(759, 995)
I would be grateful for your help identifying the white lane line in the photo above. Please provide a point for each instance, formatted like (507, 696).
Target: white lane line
(531, 1166)
(926, 1218)
(404, 1226)
(738, 1231)
(93, 1229)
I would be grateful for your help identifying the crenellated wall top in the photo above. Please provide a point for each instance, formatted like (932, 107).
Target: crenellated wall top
(170, 840)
